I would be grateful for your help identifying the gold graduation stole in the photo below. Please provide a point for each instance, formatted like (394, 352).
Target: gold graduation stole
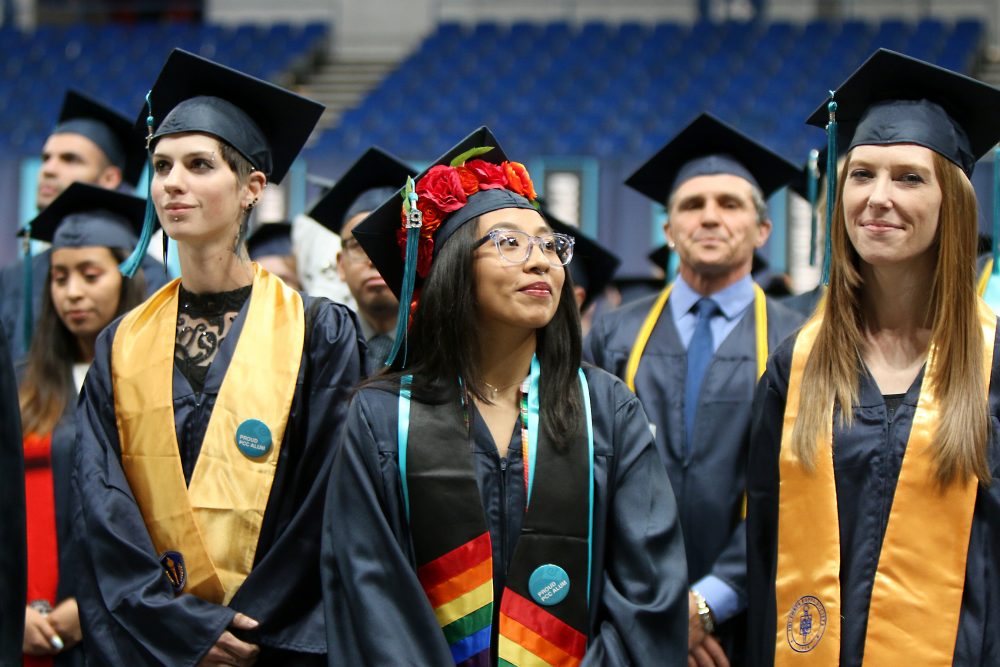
(642, 339)
(917, 593)
(207, 533)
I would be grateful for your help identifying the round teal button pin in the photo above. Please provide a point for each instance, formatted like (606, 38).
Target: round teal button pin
(253, 438)
(548, 584)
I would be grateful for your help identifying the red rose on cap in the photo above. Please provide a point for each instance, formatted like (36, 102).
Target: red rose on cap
(470, 184)
(443, 187)
(491, 176)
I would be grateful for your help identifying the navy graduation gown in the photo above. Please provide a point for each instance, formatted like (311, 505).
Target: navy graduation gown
(376, 611)
(12, 293)
(129, 611)
(867, 460)
(13, 555)
(709, 482)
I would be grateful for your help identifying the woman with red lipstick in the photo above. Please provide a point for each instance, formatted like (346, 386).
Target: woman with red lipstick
(209, 420)
(874, 503)
(91, 231)
(494, 502)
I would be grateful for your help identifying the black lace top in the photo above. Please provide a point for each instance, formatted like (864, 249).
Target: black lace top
(203, 322)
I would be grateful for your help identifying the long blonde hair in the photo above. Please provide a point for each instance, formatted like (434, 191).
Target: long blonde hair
(831, 373)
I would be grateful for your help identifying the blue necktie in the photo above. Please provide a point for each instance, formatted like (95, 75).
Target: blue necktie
(699, 356)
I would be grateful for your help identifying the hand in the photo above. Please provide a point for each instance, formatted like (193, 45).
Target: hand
(708, 654)
(696, 629)
(38, 634)
(65, 620)
(228, 650)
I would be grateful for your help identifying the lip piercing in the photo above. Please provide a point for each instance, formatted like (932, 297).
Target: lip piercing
(175, 218)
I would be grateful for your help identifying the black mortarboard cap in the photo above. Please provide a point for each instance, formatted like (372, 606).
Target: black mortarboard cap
(267, 124)
(370, 181)
(271, 238)
(709, 146)
(111, 131)
(896, 99)
(593, 266)
(377, 232)
(87, 215)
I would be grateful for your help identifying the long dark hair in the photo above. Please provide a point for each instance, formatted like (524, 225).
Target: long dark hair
(441, 345)
(47, 387)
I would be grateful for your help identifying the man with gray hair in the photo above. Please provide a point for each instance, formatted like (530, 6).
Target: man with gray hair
(694, 352)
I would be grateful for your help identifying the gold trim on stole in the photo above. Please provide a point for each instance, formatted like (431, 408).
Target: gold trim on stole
(917, 593)
(215, 522)
(646, 330)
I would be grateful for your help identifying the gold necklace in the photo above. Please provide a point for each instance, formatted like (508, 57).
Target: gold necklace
(496, 390)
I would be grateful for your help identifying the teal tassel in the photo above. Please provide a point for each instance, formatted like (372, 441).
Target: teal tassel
(812, 173)
(831, 184)
(996, 210)
(134, 261)
(27, 306)
(414, 222)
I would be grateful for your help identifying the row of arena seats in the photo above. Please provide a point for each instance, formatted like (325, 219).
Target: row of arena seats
(118, 63)
(611, 90)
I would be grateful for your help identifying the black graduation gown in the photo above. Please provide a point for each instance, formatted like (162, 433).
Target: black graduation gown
(13, 555)
(710, 481)
(867, 460)
(804, 303)
(129, 611)
(376, 611)
(12, 293)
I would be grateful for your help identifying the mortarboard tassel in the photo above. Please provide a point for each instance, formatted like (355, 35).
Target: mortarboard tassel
(414, 220)
(134, 261)
(27, 304)
(831, 184)
(996, 210)
(812, 190)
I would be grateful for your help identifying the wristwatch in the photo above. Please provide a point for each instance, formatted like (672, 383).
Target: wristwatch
(704, 612)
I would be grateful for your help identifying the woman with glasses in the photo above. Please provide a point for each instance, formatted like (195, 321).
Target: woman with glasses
(494, 501)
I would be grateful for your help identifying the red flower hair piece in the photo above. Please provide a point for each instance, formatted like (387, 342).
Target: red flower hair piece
(445, 189)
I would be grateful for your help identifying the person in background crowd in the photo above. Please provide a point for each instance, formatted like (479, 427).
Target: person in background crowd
(492, 500)
(212, 412)
(874, 503)
(693, 354)
(372, 179)
(93, 144)
(270, 245)
(91, 231)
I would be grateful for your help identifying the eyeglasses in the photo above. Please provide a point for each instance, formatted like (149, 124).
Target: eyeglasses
(353, 252)
(515, 246)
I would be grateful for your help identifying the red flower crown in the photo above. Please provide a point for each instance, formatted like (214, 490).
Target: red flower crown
(445, 189)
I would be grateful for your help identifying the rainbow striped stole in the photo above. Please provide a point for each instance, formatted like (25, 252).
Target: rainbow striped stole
(532, 637)
(459, 586)
(454, 552)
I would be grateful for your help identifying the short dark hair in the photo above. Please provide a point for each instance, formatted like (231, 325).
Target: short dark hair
(441, 345)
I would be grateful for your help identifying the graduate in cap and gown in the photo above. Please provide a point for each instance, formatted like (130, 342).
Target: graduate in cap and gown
(372, 179)
(93, 144)
(874, 503)
(493, 502)
(694, 352)
(12, 525)
(210, 417)
(91, 231)
(593, 268)
(270, 245)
